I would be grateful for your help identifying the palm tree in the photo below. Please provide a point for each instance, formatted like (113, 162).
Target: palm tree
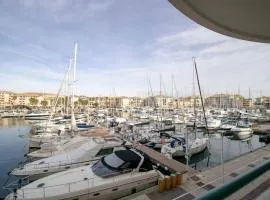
(95, 104)
(33, 101)
(13, 100)
(44, 103)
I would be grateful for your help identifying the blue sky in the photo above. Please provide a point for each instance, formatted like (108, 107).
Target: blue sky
(120, 44)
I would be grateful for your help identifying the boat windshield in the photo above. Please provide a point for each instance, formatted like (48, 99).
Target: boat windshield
(108, 166)
(113, 161)
(242, 125)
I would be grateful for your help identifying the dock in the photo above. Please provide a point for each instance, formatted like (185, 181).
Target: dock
(170, 164)
(201, 182)
(262, 129)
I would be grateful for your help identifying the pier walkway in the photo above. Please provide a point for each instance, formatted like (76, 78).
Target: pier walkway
(201, 182)
(170, 164)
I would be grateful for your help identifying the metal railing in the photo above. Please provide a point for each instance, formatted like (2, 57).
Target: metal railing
(55, 165)
(237, 183)
(76, 185)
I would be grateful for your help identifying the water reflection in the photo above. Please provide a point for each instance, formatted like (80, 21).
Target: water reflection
(8, 123)
(197, 161)
(12, 148)
(232, 147)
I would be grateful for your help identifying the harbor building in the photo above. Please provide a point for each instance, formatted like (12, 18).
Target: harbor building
(263, 101)
(221, 100)
(225, 101)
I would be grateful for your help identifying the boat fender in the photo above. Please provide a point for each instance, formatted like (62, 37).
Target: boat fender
(172, 144)
(184, 149)
(15, 193)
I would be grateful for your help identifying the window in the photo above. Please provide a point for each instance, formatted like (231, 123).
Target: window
(104, 152)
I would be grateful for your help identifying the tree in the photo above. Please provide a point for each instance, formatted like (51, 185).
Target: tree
(44, 103)
(76, 104)
(82, 102)
(13, 100)
(95, 104)
(33, 101)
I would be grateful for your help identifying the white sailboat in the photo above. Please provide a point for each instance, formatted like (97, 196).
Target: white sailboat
(177, 148)
(184, 146)
(36, 140)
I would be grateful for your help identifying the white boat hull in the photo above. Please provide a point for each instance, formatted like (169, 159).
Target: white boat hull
(242, 133)
(84, 189)
(192, 151)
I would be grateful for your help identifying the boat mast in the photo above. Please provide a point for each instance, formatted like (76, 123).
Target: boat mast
(68, 86)
(199, 86)
(73, 121)
(194, 103)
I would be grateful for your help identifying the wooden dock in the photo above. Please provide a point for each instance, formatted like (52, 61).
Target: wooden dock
(201, 182)
(170, 164)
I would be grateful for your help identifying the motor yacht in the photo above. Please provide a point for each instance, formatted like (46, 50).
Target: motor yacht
(37, 116)
(242, 130)
(91, 150)
(116, 175)
(228, 125)
(55, 147)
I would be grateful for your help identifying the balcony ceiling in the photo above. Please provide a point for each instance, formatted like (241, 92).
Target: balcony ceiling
(243, 19)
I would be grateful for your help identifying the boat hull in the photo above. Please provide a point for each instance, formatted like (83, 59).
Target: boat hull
(192, 151)
(109, 191)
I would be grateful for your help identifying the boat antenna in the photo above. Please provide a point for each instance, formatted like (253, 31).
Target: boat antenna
(199, 86)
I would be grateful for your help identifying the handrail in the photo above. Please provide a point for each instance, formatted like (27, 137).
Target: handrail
(237, 183)
(68, 186)
(55, 164)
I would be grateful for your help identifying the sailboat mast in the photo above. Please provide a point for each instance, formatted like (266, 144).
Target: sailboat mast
(198, 81)
(194, 102)
(160, 85)
(74, 72)
(68, 84)
(73, 120)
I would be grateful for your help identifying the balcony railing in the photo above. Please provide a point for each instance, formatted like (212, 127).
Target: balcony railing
(237, 183)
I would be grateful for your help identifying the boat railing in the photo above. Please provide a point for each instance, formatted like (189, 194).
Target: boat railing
(56, 164)
(86, 183)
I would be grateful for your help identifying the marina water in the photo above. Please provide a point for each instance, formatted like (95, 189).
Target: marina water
(13, 147)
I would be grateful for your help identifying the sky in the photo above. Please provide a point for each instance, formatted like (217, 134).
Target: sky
(123, 47)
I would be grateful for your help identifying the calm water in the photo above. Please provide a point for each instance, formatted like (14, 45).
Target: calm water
(13, 147)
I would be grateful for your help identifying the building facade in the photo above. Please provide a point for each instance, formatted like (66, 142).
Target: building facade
(225, 101)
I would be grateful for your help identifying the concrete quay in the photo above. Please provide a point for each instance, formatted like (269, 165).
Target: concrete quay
(200, 182)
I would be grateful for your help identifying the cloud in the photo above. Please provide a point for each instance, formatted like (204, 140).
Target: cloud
(121, 46)
(228, 46)
(61, 11)
(62, 5)
(192, 37)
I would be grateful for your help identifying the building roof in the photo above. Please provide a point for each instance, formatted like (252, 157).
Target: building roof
(243, 19)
